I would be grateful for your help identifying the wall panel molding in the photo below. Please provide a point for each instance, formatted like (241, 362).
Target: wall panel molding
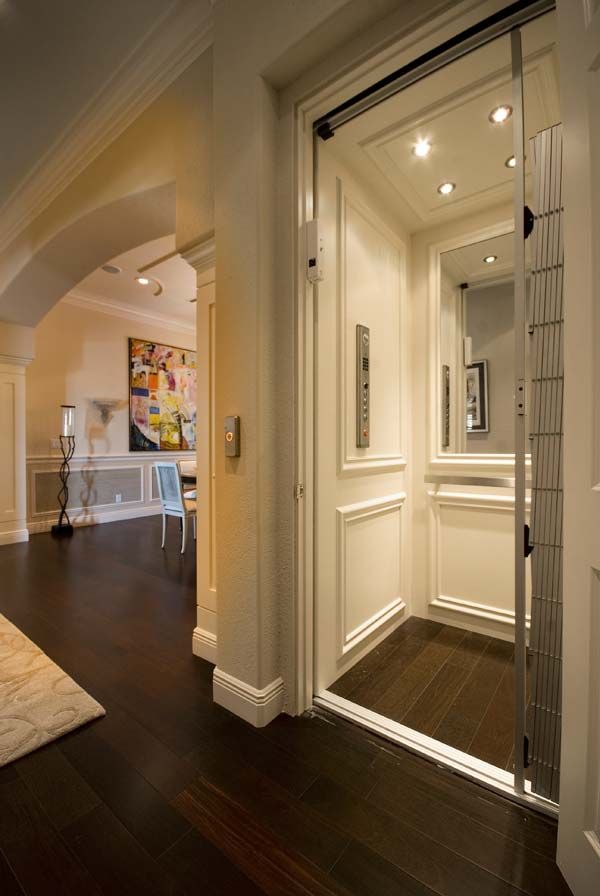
(134, 471)
(471, 603)
(362, 461)
(350, 636)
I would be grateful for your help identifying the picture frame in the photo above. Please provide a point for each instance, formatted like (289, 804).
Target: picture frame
(162, 397)
(476, 397)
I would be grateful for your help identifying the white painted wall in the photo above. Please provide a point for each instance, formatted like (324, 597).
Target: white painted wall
(363, 513)
(449, 534)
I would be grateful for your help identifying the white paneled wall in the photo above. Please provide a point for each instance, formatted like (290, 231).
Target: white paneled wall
(13, 523)
(472, 560)
(103, 488)
(363, 557)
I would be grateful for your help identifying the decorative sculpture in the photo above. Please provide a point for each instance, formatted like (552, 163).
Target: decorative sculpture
(67, 444)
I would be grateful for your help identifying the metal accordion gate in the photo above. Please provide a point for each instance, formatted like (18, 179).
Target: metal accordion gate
(546, 439)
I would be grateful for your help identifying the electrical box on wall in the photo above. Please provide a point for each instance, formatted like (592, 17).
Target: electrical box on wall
(314, 252)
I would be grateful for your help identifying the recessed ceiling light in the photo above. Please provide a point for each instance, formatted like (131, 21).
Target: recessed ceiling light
(143, 281)
(422, 148)
(510, 162)
(446, 188)
(111, 269)
(490, 259)
(500, 114)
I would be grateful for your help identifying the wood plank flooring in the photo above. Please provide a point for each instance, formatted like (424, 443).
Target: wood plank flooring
(170, 794)
(450, 684)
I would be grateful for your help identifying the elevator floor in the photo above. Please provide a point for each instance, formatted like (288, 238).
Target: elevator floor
(451, 684)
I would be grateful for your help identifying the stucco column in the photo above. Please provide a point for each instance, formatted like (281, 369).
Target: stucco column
(201, 257)
(16, 351)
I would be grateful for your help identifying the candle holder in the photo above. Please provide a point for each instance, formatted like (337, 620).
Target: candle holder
(67, 445)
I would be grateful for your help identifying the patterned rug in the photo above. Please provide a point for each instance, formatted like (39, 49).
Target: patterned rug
(38, 701)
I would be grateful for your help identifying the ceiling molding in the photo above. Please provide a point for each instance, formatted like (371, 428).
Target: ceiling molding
(202, 255)
(117, 309)
(173, 42)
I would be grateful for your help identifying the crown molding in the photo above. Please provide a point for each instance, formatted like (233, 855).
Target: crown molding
(14, 360)
(116, 309)
(174, 41)
(202, 255)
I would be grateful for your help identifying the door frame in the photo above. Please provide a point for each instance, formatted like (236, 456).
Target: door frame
(304, 113)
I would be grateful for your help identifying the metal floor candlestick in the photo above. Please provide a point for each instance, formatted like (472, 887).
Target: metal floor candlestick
(67, 444)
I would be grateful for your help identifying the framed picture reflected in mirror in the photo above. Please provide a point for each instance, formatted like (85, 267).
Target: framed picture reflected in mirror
(477, 397)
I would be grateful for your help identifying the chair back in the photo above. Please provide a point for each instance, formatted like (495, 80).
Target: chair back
(168, 477)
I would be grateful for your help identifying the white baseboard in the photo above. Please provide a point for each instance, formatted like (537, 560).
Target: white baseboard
(14, 537)
(204, 645)
(94, 517)
(259, 707)
(479, 611)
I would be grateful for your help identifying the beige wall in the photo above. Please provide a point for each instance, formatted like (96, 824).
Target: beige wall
(168, 144)
(80, 355)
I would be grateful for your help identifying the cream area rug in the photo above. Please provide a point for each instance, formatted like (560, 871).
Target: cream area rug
(38, 701)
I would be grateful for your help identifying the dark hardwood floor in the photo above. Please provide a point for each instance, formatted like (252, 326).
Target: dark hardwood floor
(454, 685)
(170, 794)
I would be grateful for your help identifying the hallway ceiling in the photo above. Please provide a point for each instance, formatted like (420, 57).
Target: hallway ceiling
(122, 291)
(450, 109)
(72, 72)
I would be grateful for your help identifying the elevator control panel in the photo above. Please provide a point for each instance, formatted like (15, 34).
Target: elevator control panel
(232, 436)
(363, 395)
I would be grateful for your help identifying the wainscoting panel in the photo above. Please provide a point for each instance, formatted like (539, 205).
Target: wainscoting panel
(472, 560)
(372, 291)
(102, 488)
(370, 559)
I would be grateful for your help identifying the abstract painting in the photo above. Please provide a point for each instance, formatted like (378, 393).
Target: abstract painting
(162, 397)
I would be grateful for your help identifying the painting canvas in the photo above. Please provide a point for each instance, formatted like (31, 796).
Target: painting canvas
(477, 397)
(162, 397)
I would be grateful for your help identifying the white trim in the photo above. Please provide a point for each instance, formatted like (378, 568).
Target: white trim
(468, 766)
(476, 500)
(361, 463)
(165, 50)
(14, 537)
(12, 361)
(91, 517)
(351, 513)
(202, 255)
(204, 645)
(481, 611)
(117, 309)
(259, 706)
(134, 456)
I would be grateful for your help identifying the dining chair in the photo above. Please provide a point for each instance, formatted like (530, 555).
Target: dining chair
(173, 499)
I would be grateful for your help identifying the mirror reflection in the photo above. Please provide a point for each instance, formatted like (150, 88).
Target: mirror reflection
(477, 346)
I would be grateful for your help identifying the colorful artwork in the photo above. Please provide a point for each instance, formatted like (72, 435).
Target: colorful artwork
(162, 397)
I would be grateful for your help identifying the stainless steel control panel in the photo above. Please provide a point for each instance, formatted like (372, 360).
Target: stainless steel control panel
(232, 436)
(363, 396)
